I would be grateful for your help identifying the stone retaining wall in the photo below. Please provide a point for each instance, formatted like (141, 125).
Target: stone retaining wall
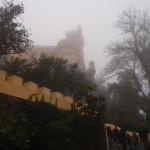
(15, 86)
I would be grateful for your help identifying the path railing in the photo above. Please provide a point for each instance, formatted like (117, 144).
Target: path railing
(112, 127)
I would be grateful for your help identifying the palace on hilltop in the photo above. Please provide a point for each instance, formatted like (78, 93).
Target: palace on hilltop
(70, 48)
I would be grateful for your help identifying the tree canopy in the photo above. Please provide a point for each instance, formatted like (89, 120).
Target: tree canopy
(14, 37)
(131, 54)
(123, 107)
(36, 125)
(15, 66)
(56, 74)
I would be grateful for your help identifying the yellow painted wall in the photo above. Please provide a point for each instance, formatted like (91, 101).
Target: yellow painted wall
(14, 86)
(71, 53)
(59, 54)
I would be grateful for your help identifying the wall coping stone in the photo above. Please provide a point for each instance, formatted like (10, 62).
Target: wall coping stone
(15, 80)
(68, 99)
(44, 90)
(57, 95)
(3, 74)
(14, 86)
(31, 85)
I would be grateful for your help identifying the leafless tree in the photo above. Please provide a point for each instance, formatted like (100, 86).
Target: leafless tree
(131, 53)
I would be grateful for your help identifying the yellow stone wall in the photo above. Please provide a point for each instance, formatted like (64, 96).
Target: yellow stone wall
(58, 54)
(14, 86)
(71, 53)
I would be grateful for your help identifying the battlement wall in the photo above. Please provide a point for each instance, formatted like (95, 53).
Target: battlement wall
(15, 86)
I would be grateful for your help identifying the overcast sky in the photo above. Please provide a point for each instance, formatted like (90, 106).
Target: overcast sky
(49, 19)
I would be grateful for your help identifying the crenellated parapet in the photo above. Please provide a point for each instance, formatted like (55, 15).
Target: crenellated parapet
(15, 86)
(74, 32)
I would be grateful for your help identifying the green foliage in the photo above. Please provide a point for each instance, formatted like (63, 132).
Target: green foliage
(53, 128)
(131, 54)
(87, 104)
(40, 112)
(15, 66)
(40, 116)
(123, 106)
(89, 110)
(41, 125)
(12, 134)
(14, 38)
(56, 74)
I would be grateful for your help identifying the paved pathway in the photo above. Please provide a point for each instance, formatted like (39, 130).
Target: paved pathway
(116, 147)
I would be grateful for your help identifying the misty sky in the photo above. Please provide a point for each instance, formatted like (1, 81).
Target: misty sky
(49, 19)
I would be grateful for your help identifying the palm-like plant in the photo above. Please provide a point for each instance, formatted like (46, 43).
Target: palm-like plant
(16, 66)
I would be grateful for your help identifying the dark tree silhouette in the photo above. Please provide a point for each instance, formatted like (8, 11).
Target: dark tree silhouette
(14, 37)
(15, 66)
(132, 54)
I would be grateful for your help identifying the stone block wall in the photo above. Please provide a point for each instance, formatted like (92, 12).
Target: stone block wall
(15, 86)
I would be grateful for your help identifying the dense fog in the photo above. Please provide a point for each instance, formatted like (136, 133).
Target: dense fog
(50, 19)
